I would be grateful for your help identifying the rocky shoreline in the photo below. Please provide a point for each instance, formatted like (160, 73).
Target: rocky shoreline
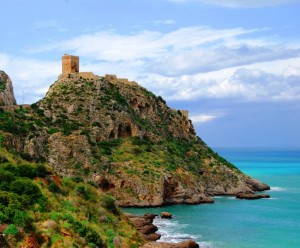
(251, 196)
(144, 224)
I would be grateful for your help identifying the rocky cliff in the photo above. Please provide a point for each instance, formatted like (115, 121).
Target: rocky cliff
(123, 139)
(7, 97)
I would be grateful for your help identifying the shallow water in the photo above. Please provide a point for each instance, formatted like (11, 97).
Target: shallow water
(232, 223)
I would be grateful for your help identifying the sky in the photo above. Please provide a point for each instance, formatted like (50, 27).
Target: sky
(234, 64)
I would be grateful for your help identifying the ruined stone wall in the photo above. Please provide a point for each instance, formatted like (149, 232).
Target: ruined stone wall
(114, 79)
(89, 75)
(185, 113)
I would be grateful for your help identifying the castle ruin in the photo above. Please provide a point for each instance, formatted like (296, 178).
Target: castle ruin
(70, 67)
(70, 64)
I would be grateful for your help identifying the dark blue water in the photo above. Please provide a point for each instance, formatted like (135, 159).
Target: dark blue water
(231, 223)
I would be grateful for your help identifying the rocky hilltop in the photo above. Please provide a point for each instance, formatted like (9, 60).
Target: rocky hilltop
(123, 139)
(7, 97)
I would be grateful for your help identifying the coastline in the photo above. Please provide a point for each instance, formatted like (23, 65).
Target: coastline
(144, 224)
(225, 223)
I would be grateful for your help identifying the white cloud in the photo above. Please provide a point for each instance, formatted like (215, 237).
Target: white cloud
(31, 77)
(199, 60)
(187, 63)
(112, 46)
(241, 3)
(291, 71)
(242, 84)
(188, 50)
(203, 118)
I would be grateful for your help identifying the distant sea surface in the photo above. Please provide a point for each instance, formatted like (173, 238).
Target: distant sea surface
(232, 223)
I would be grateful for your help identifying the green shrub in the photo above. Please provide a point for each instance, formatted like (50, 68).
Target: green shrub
(67, 216)
(25, 170)
(109, 203)
(77, 179)
(68, 206)
(67, 225)
(21, 218)
(41, 171)
(42, 204)
(96, 124)
(54, 188)
(27, 189)
(9, 204)
(11, 230)
(56, 237)
(93, 237)
(80, 228)
(6, 176)
(110, 233)
(54, 216)
(81, 189)
(137, 150)
(2, 139)
(53, 130)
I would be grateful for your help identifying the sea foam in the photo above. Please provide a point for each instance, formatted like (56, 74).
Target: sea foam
(278, 189)
(171, 231)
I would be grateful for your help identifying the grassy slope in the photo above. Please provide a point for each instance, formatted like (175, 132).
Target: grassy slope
(60, 213)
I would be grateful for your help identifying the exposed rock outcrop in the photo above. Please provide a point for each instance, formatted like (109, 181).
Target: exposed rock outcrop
(144, 225)
(250, 196)
(183, 244)
(7, 97)
(166, 215)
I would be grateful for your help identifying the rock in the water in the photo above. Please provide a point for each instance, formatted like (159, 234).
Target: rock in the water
(184, 244)
(153, 237)
(250, 196)
(7, 97)
(144, 225)
(148, 229)
(166, 215)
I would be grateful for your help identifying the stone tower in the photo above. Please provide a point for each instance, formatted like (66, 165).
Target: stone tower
(70, 64)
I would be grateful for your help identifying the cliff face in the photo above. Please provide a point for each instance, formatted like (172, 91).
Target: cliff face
(125, 140)
(7, 97)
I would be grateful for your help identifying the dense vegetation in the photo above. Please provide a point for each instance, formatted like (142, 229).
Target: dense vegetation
(60, 213)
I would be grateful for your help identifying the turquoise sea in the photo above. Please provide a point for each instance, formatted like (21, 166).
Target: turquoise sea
(232, 223)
